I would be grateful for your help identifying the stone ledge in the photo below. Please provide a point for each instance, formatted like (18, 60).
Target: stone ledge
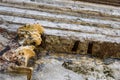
(62, 44)
(70, 28)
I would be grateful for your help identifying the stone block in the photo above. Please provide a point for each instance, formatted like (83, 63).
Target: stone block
(106, 49)
(82, 47)
(58, 44)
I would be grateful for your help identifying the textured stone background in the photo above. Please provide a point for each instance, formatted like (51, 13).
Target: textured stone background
(67, 22)
(96, 29)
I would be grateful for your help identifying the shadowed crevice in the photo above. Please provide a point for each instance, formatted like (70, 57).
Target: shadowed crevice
(90, 46)
(75, 47)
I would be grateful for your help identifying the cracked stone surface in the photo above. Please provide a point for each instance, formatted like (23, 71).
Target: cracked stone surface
(94, 69)
(73, 21)
(54, 67)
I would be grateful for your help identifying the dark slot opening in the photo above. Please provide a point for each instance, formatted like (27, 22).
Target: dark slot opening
(43, 43)
(75, 47)
(90, 46)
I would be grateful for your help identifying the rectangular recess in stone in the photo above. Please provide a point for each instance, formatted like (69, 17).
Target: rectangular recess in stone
(75, 47)
(106, 50)
(90, 46)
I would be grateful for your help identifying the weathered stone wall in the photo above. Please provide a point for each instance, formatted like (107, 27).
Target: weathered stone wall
(106, 49)
(72, 27)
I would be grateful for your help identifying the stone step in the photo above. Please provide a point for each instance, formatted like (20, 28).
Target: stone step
(72, 35)
(66, 44)
(66, 7)
(58, 18)
(63, 26)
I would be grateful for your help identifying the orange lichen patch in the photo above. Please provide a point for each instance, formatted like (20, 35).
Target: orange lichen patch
(16, 59)
(30, 33)
(36, 38)
(33, 38)
(22, 70)
(31, 28)
(24, 53)
(21, 55)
